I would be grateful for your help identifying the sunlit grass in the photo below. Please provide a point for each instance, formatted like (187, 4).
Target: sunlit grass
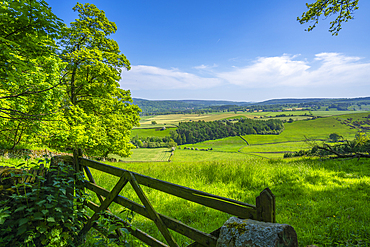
(146, 154)
(326, 201)
(148, 132)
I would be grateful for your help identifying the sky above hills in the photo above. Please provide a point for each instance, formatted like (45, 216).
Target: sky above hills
(234, 50)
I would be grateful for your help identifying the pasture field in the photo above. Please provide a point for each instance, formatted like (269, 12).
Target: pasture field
(267, 146)
(275, 147)
(145, 154)
(174, 119)
(319, 128)
(151, 132)
(182, 155)
(228, 144)
(326, 201)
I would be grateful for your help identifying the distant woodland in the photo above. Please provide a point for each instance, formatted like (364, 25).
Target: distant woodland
(193, 132)
(163, 107)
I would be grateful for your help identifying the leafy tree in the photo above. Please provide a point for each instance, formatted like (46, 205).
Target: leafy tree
(344, 10)
(99, 116)
(154, 122)
(334, 137)
(29, 68)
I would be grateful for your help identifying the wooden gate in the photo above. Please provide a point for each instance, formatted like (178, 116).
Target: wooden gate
(264, 210)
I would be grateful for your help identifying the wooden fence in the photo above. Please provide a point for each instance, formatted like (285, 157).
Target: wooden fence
(264, 210)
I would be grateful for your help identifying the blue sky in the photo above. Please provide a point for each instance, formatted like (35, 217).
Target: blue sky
(234, 50)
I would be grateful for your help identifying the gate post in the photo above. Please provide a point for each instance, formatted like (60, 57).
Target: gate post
(265, 203)
(77, 153)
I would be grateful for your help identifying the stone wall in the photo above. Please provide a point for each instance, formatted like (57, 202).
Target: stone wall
(33, 154)
(39, 154)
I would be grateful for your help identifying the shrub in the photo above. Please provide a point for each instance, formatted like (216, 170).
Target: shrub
(43, 214)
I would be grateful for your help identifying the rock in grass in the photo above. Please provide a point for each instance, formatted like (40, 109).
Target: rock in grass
(242, 233)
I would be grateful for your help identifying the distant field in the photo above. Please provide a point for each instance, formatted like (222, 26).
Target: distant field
(290, 140)
(276, 150)
(146, 154)
(228, 144)
(182, 155)
(277, 147)
(319, 128)
(151, 132)
(174, 119)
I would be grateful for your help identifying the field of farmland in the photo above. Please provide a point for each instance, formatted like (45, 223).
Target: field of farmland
(174, 119)
(269, 146)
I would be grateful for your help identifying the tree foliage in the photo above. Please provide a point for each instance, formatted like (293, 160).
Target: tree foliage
(65, 94)
(343, 9)
(29, 67)
(99, 115)
(193, 132)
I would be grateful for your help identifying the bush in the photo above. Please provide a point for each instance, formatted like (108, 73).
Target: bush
(42, 214)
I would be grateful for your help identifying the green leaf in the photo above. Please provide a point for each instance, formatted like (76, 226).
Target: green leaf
(23, 221)
(22, 229)
(50, 219)
(21, 208)
(38, 216)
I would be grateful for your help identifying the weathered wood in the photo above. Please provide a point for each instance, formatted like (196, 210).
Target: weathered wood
(233, 207)
(215, 234)
(204, 238)
(146, 238)
(265, 203)
(92, 180)
(152, 213)
(116, 190)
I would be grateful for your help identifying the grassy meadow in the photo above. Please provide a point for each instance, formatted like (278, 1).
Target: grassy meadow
(147, 132)
(326, 201)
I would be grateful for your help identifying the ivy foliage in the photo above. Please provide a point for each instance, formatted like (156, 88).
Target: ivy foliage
(42, 213)
(343, 9)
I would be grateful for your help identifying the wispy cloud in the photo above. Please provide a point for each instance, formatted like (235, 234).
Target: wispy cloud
(286, 70)
(150, 77)
(205, 67)
(325, 70)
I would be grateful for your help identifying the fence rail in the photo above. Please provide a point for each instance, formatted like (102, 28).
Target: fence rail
(264, 210)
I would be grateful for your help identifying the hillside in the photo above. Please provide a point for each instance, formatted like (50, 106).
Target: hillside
(150, 107)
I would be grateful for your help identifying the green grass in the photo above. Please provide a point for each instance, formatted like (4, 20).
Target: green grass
(196, 156)
(291, 139)
(326, 201)
(228, 144)
(334, 113)
(146, 154)
(319, 128)
(275, 150)
(151, 132)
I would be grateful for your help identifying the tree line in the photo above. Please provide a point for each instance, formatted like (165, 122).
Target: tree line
(193, 132)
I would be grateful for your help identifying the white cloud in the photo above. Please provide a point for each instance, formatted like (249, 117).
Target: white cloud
(324, 71)
(205, 67)
(142, 77)
(334, 69)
